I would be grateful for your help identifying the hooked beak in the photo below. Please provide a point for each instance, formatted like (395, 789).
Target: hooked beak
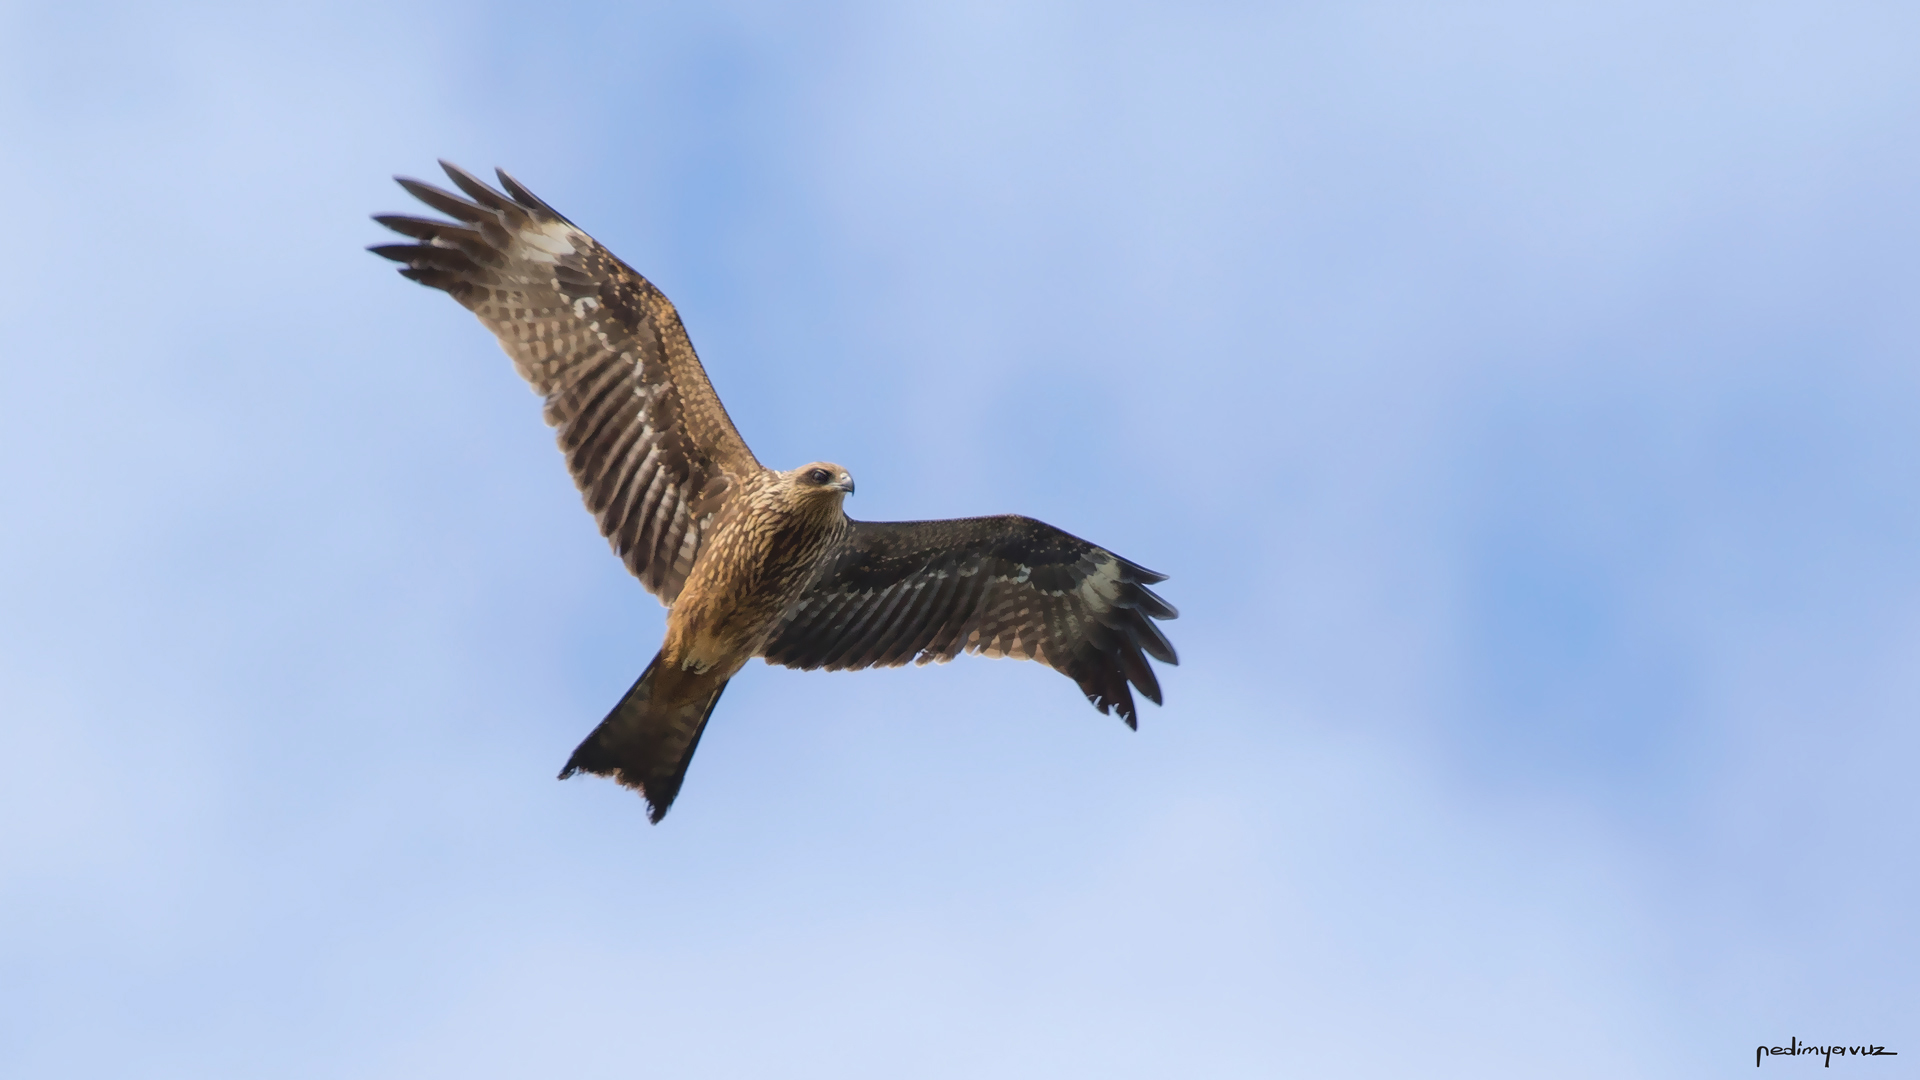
(845, 484)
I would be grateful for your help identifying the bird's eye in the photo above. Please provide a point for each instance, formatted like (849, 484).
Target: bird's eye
(818, 476)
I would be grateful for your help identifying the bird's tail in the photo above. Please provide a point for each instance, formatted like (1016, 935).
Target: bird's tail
(646, 742)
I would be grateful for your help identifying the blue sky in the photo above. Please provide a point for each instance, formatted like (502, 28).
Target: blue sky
(1521, 397)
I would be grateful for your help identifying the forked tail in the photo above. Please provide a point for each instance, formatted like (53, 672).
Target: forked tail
(645, 743)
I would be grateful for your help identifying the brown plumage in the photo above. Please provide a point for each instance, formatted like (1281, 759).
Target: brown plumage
(750, 561)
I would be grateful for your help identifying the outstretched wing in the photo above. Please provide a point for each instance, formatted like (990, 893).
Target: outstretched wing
(1003, 586)
(646, 438)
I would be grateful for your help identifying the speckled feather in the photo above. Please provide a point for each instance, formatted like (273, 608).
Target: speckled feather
(646, 438)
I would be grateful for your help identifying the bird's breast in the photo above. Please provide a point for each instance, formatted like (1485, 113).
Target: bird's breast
(749, 572)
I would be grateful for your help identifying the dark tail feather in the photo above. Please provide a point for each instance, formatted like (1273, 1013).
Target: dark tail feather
(644, 744)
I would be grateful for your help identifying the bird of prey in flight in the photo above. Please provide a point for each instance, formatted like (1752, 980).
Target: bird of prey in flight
(750, 561)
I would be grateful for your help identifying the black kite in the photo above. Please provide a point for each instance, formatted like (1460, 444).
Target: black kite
(750, 562)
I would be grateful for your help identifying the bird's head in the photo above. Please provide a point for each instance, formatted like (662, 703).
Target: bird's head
(822, 480)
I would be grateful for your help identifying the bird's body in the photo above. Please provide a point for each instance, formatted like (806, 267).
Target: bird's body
(759, 560)
(750, 561)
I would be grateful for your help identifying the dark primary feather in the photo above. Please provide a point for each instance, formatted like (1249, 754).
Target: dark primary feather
(1002, 586)
(646, 438)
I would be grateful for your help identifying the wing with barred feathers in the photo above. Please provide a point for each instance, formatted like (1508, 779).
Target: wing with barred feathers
(646, 438)
(1002, 586)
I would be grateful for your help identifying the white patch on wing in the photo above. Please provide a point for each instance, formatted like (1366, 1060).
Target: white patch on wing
(548, 243)
(1100, 589)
